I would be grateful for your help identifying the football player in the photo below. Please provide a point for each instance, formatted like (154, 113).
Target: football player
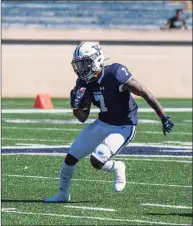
(109, 88)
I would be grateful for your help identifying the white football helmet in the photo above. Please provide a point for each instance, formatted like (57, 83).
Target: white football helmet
(87, 59)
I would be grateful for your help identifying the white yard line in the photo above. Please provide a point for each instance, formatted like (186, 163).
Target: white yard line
(102, 181)
(74, 121)
(7, 209)
(168, 206)
(32, 139)
(125, 156)
(164, 185)
(40, 128)
(157, 145)
(51, 111)
(75, 129)
(34, 147)
(190, 121)
(118, 157)
(93, 218)
(177, 150)
(178, 142)
(38, 145)
(184, 144)
(152, 156)
(89, 208)
(160, 145)
(156, 132)
(153, 160)
(47, 121)
(65, 121)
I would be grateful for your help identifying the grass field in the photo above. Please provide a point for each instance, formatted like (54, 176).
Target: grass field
(159, 170)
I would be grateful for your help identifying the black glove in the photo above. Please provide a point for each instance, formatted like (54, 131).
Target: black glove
(167, 124)
(76, 97)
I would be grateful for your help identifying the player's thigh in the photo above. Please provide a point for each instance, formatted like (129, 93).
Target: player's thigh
(128, 133)
(114, 143)
(88, 140)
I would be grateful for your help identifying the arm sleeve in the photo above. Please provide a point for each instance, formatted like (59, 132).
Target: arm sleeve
(122, 75)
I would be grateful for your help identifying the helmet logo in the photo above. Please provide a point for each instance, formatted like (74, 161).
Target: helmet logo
(96, 47)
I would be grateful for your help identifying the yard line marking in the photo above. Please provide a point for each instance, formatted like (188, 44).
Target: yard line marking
(157, 145)
(156, 132)
(7, 209)
(90, 208)
(93, 218)
(168, 206)
(64, 154)
(103, 181)
(178, 142)
(66, 121)
(30, 139)
(39, 145)
(155, 156)
(189, 149)
(124, 157)
(164, 144)
(133, 150)
(75, 129)
(73, 121)
(153, 160)
(51, 111)
(165, 185)
(40, 128)
(187, 121)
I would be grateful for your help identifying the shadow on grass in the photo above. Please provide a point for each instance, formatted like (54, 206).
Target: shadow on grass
(171, 214)
(41, 201)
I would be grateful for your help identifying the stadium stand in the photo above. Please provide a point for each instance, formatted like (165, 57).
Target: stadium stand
(86, 14)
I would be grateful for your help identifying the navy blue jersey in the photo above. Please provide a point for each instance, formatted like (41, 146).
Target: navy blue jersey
(117, 106)
(176, 23)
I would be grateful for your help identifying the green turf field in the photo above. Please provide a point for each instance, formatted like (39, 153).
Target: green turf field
(158, 190)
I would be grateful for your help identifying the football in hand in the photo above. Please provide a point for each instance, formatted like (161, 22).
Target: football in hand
(86, 101)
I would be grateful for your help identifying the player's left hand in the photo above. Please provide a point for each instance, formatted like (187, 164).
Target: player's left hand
(167, 124)
(76, 97)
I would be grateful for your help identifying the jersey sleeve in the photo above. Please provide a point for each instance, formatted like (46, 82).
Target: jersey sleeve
(122, 75)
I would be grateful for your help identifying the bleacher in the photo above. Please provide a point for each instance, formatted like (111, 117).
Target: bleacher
(87, 14)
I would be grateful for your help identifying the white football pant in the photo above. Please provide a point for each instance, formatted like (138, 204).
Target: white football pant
(101, 140)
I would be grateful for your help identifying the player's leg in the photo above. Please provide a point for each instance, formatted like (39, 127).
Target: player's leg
(66, 174)
(113, 144)
(84, 144)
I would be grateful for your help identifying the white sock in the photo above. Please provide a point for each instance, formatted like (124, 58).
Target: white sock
(66, 174)
(110, 166)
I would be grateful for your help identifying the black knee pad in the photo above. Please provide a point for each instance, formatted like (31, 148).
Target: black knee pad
(70, 160)
(96, 163)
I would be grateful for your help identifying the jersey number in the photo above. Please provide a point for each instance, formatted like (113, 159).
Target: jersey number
(124, 69)
(100, 98)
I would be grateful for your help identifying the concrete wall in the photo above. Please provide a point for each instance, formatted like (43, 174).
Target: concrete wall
(31, 69)
(97, 34)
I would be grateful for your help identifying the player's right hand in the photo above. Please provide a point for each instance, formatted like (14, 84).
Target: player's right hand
(76, 97)
(167, 124)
